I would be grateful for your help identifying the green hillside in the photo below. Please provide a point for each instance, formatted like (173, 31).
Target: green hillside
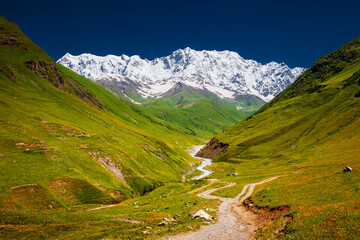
(198, 110)
(308, 133)
(186, 94)
(201, 114)
(65, 140)
(68, 145)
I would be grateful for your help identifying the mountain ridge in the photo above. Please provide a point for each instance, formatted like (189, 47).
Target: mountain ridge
(223, 73)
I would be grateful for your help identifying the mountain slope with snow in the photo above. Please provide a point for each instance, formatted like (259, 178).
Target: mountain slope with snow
(223, 73)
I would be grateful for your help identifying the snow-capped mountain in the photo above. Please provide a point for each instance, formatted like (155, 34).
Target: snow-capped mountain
(224, 73)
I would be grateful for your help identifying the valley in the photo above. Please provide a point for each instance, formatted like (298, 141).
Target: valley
(126, 154)
(205, 91)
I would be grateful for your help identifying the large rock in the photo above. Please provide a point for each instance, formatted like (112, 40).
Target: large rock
(163, 223)
(202, 214)
(347, 169)
(212, 149)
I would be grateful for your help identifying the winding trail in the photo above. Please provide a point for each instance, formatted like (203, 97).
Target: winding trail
(234, 221)
(211, 181)
(102, 207)
(183, 179)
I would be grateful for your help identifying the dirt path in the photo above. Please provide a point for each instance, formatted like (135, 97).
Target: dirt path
(102, 207)
(234, 222)
(211, 181)
(183, 179)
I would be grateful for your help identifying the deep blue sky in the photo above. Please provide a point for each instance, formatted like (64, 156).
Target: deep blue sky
(296, 33)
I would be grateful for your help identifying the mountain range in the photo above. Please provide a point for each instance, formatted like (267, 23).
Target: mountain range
(223, 73)
(204, 91)
(79, 161)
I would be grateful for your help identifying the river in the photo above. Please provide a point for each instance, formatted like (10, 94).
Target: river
(205, 162)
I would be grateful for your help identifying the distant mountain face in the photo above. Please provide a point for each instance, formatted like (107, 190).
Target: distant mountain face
(223, 73)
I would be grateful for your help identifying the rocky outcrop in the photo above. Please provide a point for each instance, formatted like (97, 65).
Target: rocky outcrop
(6, 70)
(68, 85)
(9, 39)
(107, 162)
(212, 149)
(47, 71)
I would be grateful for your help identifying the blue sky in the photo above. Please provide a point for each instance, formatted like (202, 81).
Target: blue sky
(296, 33)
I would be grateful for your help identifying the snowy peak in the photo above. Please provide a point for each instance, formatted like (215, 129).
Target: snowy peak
(224, 73)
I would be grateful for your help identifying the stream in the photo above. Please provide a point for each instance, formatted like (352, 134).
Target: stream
(205, 162)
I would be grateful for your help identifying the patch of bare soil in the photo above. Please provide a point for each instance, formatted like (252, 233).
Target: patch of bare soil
(32, 146)
(60, 130)
(267, 216)
(212, 149)
(130, 220)
(102, 207)
(265, 213)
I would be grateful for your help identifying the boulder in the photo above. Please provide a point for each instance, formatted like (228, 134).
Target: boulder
(163, 223)
(169, 220)
(202, 214)
(347, 169)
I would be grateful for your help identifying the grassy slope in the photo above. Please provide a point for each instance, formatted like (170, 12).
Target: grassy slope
(54, 133)
(53, 138)
(308, 133)
(75, 222)
(247, 103)
(204, 115)
(200, 111)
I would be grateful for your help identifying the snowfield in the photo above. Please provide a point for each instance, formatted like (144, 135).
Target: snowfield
(224, 73)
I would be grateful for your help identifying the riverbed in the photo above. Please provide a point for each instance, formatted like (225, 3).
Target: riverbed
(205, 162)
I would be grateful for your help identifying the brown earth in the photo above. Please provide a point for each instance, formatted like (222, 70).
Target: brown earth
(212, 149)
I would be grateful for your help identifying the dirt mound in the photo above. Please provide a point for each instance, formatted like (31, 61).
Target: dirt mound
(212, 149)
